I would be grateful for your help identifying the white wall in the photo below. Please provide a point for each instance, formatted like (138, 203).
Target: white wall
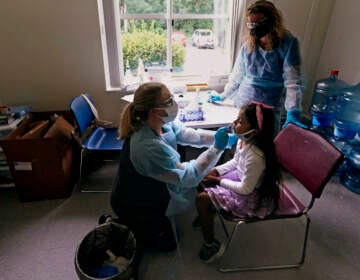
(309, 21)
(341, 48)
(50, 51)
(329, 35)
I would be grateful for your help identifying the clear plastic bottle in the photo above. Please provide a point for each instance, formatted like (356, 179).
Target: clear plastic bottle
(128, 77)
(200, 112)
(347, 117)
(324, 99)
(141, 73)
(197, 95)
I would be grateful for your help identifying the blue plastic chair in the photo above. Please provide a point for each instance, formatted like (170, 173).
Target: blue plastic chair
(92, 136)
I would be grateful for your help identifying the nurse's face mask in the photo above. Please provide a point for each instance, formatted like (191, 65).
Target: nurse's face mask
(170, 107)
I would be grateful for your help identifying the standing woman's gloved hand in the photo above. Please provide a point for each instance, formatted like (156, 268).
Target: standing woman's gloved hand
(221, 138)
(215, 97)
(294, 116)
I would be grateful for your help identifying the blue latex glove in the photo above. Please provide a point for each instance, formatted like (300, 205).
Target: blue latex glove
(294, 116)
(232, 140)
(221, 138)
(214, 97)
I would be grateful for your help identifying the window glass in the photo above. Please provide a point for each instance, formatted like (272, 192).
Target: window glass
(192, 39)
(206, 50)
(145, 40)
(200, 6)
(142, 6)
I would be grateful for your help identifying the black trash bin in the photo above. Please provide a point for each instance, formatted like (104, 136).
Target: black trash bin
(92, 253)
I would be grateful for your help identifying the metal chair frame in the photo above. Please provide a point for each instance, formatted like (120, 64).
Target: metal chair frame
(319, 161)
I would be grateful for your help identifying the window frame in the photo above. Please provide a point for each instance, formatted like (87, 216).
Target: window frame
(109, 19)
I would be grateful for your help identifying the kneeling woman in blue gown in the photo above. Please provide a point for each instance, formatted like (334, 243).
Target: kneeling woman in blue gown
(152, 184)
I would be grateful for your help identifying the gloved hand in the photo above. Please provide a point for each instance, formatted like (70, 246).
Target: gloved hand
(215, 97)
(294, 116)
(232, 140)
(221, 138)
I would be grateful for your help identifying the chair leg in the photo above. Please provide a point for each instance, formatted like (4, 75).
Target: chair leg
(264, 267)
(80, 170)
(230, 237)
(302, 260)
(81, 184)
(223, 224)
(86, 188)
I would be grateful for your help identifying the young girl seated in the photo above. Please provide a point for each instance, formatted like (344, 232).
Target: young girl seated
(246, 185)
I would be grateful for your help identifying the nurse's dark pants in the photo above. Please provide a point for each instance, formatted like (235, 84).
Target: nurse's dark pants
(140, 203)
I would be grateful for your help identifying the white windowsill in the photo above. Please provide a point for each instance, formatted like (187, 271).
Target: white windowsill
(215, 82)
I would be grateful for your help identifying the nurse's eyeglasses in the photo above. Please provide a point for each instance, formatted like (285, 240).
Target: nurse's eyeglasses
(167, 102)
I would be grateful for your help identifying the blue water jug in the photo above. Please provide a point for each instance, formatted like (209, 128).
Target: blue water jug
(345, 147)
(347, 116)
(324, 99)
(351, 177)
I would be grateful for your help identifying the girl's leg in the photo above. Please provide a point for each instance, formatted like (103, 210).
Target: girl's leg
(206, 216)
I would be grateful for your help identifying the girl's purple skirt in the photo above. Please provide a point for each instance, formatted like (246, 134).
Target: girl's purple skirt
(244, 206)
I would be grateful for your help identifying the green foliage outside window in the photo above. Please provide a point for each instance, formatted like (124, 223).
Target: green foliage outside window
(149, 44)
(146, 39)
(159, 6)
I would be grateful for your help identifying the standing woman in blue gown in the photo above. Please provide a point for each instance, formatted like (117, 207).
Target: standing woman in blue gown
(268, 63)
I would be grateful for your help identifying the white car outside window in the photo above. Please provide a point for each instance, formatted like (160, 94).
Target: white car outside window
(204, 38)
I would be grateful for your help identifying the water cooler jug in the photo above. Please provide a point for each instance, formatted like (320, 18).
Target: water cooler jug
(347, 116)
(345, 147)
(324, 102)
(351, 177)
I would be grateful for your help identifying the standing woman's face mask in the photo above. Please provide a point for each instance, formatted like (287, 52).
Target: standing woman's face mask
(259, 25)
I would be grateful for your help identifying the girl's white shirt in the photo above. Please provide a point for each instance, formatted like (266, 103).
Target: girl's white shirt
(249, 161)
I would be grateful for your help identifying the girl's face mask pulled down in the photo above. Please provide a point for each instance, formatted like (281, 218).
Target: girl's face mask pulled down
(246, 135)
(242, 128)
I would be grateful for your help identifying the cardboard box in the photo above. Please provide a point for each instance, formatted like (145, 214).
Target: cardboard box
(42, 166)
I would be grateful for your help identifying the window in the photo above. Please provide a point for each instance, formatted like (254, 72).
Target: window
(189, 37)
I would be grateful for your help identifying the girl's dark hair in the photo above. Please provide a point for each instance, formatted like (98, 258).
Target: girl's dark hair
(264, 140)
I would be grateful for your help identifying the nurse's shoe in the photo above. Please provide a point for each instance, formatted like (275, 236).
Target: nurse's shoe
(105, 218)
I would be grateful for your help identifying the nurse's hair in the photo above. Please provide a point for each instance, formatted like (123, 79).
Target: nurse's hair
(275, 19)
(146, 97)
